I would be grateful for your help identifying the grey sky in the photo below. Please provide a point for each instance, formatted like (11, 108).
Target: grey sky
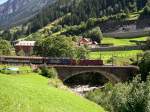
(2, 1)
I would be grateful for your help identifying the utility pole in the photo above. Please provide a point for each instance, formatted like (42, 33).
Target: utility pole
(100, 55)
(112, 59)
(137, 57)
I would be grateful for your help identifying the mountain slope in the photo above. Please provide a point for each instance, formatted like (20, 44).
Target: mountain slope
(18, 11)
(82, 10)
(31, 93)
(15, 12)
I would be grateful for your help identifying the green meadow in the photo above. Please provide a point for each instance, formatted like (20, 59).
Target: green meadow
(120, 57)
(119, 42)
(32, 93)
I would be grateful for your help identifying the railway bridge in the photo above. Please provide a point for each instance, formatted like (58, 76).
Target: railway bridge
(112, 73)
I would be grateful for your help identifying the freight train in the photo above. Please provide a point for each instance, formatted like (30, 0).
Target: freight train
(48, 61)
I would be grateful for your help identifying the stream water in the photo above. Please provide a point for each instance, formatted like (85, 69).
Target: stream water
(83, 83)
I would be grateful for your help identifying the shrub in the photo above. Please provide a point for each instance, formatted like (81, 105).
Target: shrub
(144, 65)
(50, 73)
(56, 28)
(146, 11)
(21, 53)
(57, 83)
(102, 96)
(5, 47)
(124, 97)
(95, 34)
(4, 71)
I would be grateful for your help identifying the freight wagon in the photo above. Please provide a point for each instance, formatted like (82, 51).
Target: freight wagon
(90, 62)
(21, 60)
(58, 61)
(48, 61)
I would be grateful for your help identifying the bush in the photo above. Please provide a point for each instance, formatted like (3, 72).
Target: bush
(21, 53)
(144, 65)
(124, 97)
(102, 96)
(146, 11)
(5, 47)
(56, 28)
(57, 83)
(82, 53)
(4, 71)
(95, 34)
(50, 73)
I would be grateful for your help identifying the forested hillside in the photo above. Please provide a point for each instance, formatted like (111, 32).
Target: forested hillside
(81, 10)
(99, 8)
(145, 16)
(105, 13)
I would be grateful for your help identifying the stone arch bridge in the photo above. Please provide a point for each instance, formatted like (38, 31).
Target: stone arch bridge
(112, 73)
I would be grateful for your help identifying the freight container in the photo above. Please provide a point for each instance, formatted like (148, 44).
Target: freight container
(54, 61)
(73, 62)
(65, 61)
(90, 62)
(37, 61)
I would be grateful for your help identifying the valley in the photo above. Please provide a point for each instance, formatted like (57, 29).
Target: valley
(75, 56)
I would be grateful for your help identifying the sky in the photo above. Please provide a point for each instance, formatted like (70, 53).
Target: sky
(2, 1)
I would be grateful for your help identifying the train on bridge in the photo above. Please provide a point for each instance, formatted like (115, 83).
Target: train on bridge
(48, 61)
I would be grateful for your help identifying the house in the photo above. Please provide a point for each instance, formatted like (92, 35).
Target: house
(87, 41)
(84, 41)
(25, 46)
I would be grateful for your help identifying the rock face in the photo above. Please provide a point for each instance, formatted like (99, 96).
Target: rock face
(14, 12)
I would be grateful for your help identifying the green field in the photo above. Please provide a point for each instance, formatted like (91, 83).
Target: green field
(133, 16)
(32, 93)
(118, 42)
(120, 56)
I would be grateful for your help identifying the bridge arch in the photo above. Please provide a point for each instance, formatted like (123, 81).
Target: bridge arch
(111, 77)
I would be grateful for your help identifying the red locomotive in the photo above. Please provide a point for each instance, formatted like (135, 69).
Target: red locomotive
(48, 60)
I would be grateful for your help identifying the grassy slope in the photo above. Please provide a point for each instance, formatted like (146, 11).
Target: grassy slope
(31, 93)
(133, 16)
(118, 42)
(122, 57)
(107, 55)
(48, 27)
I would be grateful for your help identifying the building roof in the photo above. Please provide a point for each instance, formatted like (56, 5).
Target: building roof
(85, 41)
(25, 43)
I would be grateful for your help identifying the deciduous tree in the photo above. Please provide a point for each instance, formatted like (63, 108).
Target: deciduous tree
(5, 47)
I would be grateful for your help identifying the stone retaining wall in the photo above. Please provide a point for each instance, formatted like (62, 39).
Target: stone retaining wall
(128, 34)
(120, 48)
